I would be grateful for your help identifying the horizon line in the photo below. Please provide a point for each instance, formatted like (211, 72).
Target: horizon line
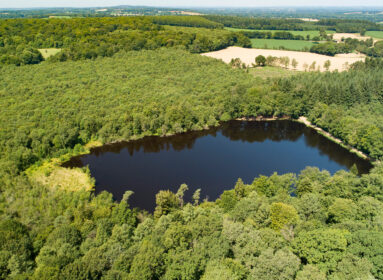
(197, 7)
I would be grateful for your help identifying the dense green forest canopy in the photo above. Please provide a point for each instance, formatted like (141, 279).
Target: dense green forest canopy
(189, 21)
(135, 93)
(311, 225)
(87, 38)
(259, 23)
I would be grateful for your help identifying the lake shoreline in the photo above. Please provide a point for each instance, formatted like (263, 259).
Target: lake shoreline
(328, 135)
(318, 129)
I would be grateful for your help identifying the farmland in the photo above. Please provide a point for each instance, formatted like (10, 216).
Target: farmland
(304, 33)
(293, 45)
(375, 34)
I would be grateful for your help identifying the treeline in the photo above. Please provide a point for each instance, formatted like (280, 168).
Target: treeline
(279, 35)
(87, 38)
(347, 104)
(349, 45)
(188, 21)
(331, 48)
(349, 25)
(376, 51)
(257, 23)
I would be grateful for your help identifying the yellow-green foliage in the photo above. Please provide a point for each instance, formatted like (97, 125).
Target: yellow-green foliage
(282, 214)
(52, 175)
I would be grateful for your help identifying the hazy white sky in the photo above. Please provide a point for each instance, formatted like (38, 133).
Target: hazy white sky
(200, 3)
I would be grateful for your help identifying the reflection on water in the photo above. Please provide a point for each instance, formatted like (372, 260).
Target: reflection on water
(212, 159)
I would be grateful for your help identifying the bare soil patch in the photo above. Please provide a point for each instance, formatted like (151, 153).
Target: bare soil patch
(338, 62)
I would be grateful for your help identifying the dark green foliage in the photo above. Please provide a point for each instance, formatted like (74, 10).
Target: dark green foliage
(257, 23)
(347, 46)
(260, 60)
(88, 38)
(349, 25)
(369, 245)
(323, 247)
(330, 48)
(189, 21)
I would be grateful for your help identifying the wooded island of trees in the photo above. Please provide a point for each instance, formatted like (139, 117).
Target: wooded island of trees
(125, 78)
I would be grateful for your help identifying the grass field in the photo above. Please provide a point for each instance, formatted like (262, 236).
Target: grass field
(49, 52)
(312, 33)
(271, 72)
(293, 45)
(375, 34)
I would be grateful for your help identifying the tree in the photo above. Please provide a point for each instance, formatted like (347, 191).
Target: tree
(285, 61)
(342, 210)
(327, 65)
(322, 247)
(369, 245)
(294, 63)
(322, 33)
(166, 201)
(31, 56)
(282, 215)
(148, 262)
(236, 63)
(180, 194)
(260, 60)
(310, 272)
(305, 66)
(352, 267)
(282, 265)
(126, 196)
(312, 66)
(271, 60)
(240, 188)
(196, 196)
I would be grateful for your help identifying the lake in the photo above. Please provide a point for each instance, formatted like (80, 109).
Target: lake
(212, 159)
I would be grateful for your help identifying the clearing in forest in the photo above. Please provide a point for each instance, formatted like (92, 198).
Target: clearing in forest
(49, 52)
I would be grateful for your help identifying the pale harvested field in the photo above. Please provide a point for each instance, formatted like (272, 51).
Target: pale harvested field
(338, 62)
(338, 37)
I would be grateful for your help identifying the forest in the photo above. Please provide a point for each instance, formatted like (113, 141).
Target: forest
(311, 225)
(88, 38)
(256, 231)
(338, 25)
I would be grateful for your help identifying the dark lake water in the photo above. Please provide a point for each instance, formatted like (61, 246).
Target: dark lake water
(212, 160)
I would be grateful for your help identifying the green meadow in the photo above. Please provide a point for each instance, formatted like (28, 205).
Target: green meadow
(375, 34)
(49, 52)
(293, 45)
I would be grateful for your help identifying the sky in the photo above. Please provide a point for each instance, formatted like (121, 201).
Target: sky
(188, 3)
